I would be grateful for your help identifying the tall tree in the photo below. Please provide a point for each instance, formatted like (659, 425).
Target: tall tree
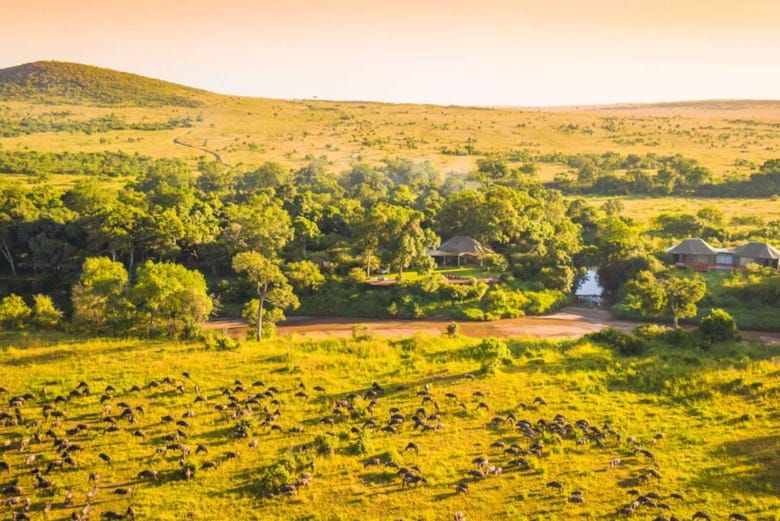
(99, 297)
(270, 284)
(678, 294)
(173, 293)
(259, 225)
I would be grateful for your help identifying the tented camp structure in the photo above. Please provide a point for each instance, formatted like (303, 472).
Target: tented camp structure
(698, 255)
(459, 250)
(757, 253)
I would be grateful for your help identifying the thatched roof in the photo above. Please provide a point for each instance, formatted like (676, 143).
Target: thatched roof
(758, 250)
(461, 245)
(693, 247)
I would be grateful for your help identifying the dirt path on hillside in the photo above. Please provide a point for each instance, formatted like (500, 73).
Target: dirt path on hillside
(215, 155)
(570, 322)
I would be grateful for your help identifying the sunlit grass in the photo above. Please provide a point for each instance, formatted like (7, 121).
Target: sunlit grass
(719, 447)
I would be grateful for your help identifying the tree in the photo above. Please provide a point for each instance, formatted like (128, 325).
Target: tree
(14, 312)
(718, 326)
(305, 230)
(173, 293)
(304, 276)
(259, 225)
(100, 296)
(270, 283)
(677, 294)
(45, 315)
(396, 233)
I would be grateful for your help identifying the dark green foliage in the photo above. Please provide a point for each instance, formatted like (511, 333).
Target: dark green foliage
(56, 122)
(627, 344)
(109, 164)
(718, 326)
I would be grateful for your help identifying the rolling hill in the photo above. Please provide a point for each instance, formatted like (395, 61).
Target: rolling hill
(73, 82)
(730, 137)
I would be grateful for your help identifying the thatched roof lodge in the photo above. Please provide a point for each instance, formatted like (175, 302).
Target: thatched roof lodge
(758, 253)
(458, 247)
(698, 255)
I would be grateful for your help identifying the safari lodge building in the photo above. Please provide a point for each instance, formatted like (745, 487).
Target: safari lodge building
(696, 254)
(459, 250)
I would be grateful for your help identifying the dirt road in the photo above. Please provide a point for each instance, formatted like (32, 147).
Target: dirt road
(570, 322)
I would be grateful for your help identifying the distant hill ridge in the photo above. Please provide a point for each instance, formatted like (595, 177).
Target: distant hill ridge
(53, 81)
(67, 82)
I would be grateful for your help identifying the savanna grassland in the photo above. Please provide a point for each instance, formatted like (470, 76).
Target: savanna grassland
(725, 136)
(707, 421)
(134, 210)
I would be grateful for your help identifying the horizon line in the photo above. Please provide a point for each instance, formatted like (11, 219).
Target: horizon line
(487, 106)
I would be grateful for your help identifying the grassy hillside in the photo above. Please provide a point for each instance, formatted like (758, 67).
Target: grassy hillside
(709, 420)
(51, 81)
(730, 137)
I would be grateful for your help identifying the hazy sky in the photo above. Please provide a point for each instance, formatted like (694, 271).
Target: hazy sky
(481, 52)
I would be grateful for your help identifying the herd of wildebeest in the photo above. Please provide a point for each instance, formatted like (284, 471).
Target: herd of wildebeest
(45, 435)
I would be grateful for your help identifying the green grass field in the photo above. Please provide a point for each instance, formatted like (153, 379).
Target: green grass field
(709, 418)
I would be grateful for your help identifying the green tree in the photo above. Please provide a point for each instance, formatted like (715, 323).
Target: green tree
(45, 314)
(305, 276)
(262, 224)
(172, 293)
(271, 285)
(397, 234)
(100, 296)
(678, 294)
(14, 312)
(306, 231)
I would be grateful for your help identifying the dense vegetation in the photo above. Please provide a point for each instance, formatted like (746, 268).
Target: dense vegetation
(613, 174)
(59, 122)
(298, 429)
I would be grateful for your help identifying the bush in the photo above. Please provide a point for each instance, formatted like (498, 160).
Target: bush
(453, 329)
(14, 312)
(44, 314)
(627, 344)
(470, 313)
(492, 353)
(357, 276)
(222, 343)
(658, 333)
(501, 303)
(718, 326)
(361, 332)
(273, 480)
(324, 445)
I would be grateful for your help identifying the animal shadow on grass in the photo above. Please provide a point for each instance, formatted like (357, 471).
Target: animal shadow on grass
(377, 478)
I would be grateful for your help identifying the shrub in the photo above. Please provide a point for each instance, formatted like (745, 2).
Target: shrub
(222, 343)
(453, 329)
(274, 478)
(324, 445)
(626, 344)
(361, 332)
(492, 353)
(44, 314)
(718, 326)
(658, 333)
(357, 276)
(14, 312)
(471, 313)
(501, 303)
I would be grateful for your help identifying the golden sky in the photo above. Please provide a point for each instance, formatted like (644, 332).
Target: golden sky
(480, 52)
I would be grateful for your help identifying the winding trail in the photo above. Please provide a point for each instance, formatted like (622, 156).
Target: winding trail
(569, 322)
(177, 141)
